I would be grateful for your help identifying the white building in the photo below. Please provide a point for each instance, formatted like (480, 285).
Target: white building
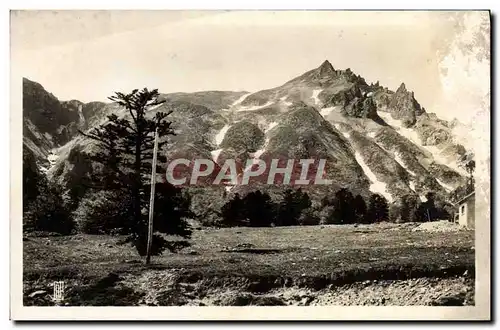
(466, 211)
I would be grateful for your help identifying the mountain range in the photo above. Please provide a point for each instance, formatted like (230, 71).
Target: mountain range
(374, 140)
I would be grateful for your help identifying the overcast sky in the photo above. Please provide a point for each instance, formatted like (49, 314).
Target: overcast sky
(89, 55)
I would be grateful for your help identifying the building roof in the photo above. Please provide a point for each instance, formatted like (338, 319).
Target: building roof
(463, 199)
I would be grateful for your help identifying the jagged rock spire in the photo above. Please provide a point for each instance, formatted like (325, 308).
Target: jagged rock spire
(403, 106)
(326, 68)
(402, 88)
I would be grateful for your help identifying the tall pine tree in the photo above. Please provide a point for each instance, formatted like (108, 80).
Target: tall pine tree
(290, 208)
(232, 212)
(344, 212)
(360, 209)
(378, 209)
(126, 152)
(409, 204)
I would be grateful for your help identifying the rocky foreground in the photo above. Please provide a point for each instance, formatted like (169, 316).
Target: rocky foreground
(161, 289)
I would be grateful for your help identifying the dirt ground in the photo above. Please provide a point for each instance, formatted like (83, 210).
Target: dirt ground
(160, 288)
(382, 264)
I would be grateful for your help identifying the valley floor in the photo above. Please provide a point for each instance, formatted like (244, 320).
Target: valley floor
(380, 264)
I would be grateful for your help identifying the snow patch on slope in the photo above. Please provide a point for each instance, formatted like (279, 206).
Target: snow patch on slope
(397, 158)
(215, 154)
(272, 125)
(444, 185)
(220, 136)
(80, 114)
(377, 186)
(408, 133)
(412, 135)
(52, 158)
(256, 155)
(285, 102)
(315, 94)
(255, 107)
(326, 111)
(436, 153)
(240, 100)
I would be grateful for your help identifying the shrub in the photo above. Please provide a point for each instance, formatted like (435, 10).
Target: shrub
(343, 207)
(326, 214)
(395, 213)
(206, 204)
(172, 209)
(309, 217)
(360, 210)
(433, 209)
(31, 178)
(409, 205)
(110, 212)
(256, 210)
(212, 218)
(378, 209)
(103, 212)
(291, 207)
(47, 212)
(233, 212)
(259, 209)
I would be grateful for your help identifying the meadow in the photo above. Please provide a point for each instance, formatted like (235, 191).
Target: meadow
(249, 259)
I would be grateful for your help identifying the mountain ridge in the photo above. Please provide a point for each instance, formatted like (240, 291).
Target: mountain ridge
(375, 140)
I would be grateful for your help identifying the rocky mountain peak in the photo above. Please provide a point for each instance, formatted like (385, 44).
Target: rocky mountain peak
(402, 88)
(403, 106)
(326, 68)
(322, 114)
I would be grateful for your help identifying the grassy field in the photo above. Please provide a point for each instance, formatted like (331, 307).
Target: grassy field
(314, 256)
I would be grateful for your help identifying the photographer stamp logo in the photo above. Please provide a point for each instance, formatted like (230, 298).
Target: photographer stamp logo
(58, 291)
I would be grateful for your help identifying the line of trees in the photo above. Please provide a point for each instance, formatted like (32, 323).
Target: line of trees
(410, 209)
(295, 207)
(257, 209)
(43, 205)
(345, 208)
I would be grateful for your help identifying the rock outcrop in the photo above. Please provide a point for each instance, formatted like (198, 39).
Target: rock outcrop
(404, 107)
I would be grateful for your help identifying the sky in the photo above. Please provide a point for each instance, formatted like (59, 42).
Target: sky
(87, 55)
